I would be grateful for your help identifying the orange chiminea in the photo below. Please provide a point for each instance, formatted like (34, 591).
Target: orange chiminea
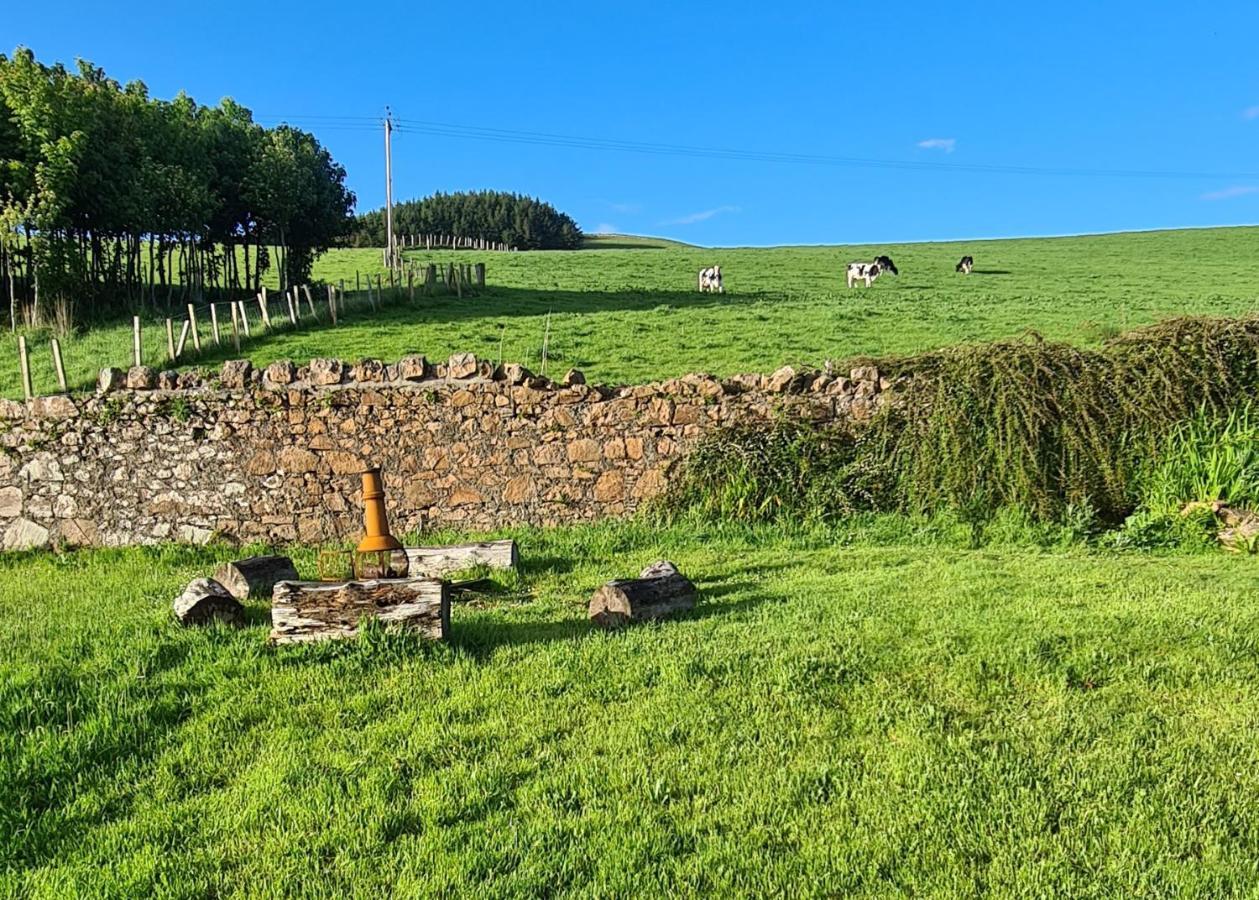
(375, 555)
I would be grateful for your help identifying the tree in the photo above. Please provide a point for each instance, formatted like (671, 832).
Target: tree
(95, 176)
(513, 219)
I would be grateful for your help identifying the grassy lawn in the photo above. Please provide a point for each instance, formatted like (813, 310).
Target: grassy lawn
(850, 711)
(628, 315)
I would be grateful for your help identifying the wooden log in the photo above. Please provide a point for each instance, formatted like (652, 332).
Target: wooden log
(436, 562)
(59, 365)
(659, 591)
(303, 611)
(204, 600)
(255, 576)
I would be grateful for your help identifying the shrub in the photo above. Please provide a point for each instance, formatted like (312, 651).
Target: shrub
(1063, 434)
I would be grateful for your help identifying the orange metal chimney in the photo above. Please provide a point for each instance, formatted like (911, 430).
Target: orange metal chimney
(375, 521)
(375, 555)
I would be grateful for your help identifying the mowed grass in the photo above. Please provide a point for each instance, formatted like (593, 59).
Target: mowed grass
(849, 712)
(633, 315)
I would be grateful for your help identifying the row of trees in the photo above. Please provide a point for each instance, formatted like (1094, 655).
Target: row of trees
(513, 219)
(111, 200)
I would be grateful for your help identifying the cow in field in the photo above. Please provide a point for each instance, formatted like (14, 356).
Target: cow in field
(867, 272)
(965, 266)
(710, 281)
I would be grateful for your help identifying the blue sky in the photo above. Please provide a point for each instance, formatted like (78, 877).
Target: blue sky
(1117, 87)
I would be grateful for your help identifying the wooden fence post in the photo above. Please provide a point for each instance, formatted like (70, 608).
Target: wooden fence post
(480, 275)
(332, 305)
(183, 337)
(235, 329)
(192, 317)
(310, 303)
(170, 340)
(288, 298)
(136, 356)
(244, 318)
(57, 364)
(214, 322)
(25, 363)
(262, 308)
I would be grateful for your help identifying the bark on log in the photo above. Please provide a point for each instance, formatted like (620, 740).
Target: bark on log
(303, 611)
(436, 562)
(255, 576)
(205, 601)
(659, 591)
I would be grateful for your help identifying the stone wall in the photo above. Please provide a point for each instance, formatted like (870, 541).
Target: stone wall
(275, 454)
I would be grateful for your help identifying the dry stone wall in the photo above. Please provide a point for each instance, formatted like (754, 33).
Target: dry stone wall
(275, 454)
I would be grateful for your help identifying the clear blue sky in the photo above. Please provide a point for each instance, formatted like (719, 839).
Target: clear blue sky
(1115, 86)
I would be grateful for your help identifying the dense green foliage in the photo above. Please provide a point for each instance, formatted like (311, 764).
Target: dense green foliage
(859, 711)
(1048, 428)
(626, 316)
(1210, 458)
(110, 199)
(513, 219)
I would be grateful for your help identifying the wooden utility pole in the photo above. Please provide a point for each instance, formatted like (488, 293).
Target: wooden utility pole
(389, 247)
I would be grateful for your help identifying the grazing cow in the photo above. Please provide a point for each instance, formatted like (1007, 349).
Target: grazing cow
(965, 266)
(867, 272)
(710, 281)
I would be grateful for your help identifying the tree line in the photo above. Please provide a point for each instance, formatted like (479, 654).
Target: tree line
(111, 200)
(497, 216)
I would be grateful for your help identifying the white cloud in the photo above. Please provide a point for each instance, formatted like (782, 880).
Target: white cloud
(1228, 193)
(702, 216)
(945, 144)
(627, 208)
(1251, 112)
(605, 228)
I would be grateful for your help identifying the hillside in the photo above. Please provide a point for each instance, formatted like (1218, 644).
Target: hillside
(629, 242)
(625, 315)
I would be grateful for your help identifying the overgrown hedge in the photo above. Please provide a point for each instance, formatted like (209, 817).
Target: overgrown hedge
(1045, 427)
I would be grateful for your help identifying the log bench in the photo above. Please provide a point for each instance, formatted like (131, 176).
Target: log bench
(305, 611)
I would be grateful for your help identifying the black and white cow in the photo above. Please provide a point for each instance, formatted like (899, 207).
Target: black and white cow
(867, 272)
(965, 266)
(710, 281)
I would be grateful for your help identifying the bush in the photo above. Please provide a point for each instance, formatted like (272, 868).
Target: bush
(1064, 435)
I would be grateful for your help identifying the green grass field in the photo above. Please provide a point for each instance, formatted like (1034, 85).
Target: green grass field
(627, 315)
(871, 710)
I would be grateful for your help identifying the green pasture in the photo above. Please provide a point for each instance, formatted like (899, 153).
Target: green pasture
(629, 315)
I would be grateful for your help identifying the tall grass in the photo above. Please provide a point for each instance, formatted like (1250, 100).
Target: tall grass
(1209, 458)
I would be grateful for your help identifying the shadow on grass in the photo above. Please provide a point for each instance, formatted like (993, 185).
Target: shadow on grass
(991, 272)
(482, 636)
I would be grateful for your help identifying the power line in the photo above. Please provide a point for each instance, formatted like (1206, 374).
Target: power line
(578, 142)
(502, 135)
